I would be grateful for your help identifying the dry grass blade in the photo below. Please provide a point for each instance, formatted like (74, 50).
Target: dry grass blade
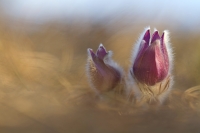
(192, 97)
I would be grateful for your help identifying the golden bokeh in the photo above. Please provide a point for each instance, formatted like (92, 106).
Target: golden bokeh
(44, 87)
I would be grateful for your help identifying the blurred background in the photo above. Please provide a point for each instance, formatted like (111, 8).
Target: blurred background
(43, 87)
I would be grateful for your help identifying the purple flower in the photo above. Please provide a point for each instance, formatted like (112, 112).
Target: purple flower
(151, 64)
(150, 78)
(103, 73)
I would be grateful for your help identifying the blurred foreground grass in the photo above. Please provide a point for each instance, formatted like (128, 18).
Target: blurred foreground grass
(44, 87)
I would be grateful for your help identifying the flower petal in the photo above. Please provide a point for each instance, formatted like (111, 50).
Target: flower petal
(155, 37)
(91, 53)
(101, 52)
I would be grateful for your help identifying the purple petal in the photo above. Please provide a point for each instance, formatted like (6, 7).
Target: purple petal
(164, 51)
(155, 37)
(92, 54)
(144, 44)
(163, 47)
(145, 68)
(146, 37)
(145, 41)
(101, 52)
(163, 43)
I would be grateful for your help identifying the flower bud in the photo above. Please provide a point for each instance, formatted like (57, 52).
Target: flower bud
(150, 71)
(103, 73)
(152, 63)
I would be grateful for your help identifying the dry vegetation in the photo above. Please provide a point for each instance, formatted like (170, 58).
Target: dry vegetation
(44, 87)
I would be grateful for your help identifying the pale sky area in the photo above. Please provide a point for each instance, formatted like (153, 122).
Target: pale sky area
(186, 12)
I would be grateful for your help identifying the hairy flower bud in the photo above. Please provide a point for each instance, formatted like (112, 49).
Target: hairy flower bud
(103, 73)
(152, 62)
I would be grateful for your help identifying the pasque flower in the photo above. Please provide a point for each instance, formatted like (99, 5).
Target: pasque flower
(151, 66)
(149, 80)
(103, 73)
(152, 62)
